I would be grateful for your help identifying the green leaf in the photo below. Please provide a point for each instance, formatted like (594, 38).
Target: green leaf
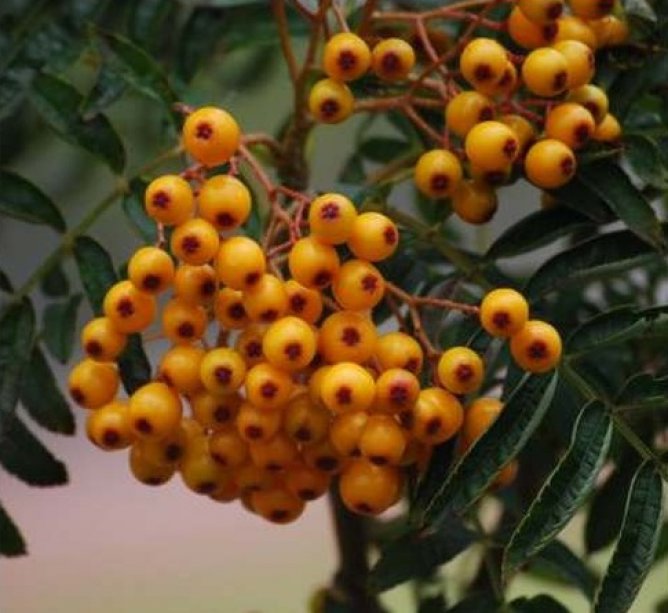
(537, 604)
(133, 364)
(95, 269)
(17, 334)
(11, 540)
(55, 284)
(197, 41)
(25, 457)
(643, 155)
(432, 479)
(637, 543)
(42, 399)
(537, 230)
(133, 205)
(475, 471)
(383, 148)
(643, 387)
(611, 184)
(592, 259)
(561, 562)
(59, 103)
(147, 20)
(577, 196)
(641, 9)
(478, 602)
(565, 489)
(109, 87)
(417, 555)
(59, 327)
(20, 199)
(5, 283)
(626, 88)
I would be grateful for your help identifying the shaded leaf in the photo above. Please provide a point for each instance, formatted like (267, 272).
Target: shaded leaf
(644, 157)
(133, 205)
(577, 196)
(21, 199)
(537, 604)
(133, 364)
(109, 87)
(147, 19)
(95, 269)
(5, 283)
(383, 148)
(432, 479)
(641, 9)
(198, 40)
(11, 540)
(643, 387)
(558, 559)
(637, 543)
(60, 320)
(476, 603)
(55, 284)
(625, 89)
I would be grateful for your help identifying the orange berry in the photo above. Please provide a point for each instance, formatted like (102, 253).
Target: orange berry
(591, 9)
(277, 505)
(609, 31)
(545, 72)
(479, 416)
(323, 457)
(436, 417)
(536, 347)
(330, 101)
(93, 384)
(398, 350)
(267, 387)
(314, 385)
(249, 344)
(331, 218)
(492, 146)
(179, 368)
(359, 286)
(466, 110)
(201, 473)
(474, 202)
(392, 59)
(195, 284)
(266, 300)
(461, 370)
(580, 62)
(482, 61)
(503, 312)
(306, 483)
(195, 242)
(250, 479)
(312, 263)
(541, 11)
(109, 426)
(347, 387)
(229, 309)
(346, 431)
(438, 173)
(289, 344)
(346, 57)
(211, 135)
(397, 391)
(570, 27)
(275, 454)
(151, 270)
(374, 237)
(523, 129)
(128, 309)
(101, 341)
(183, 322)
(570, 123)
(147, 472)
(240, 263)
(608, 131)
(222, 370)
(528, 34)
(550, 164)
(369, 489)
(212, 411)
(224, 202)
(347, 336)
(165, 451)
(169, 200)
(256, 425)
(383, 441)
(593, 98)
(155, 411)
(305, 421)
(504, 85)
(303, 302)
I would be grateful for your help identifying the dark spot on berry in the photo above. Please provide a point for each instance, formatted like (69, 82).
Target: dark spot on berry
(582, 133)
(591, 60)
(221, 459)
(378, 460)
(350, 336)
(390, 235)
(433, 426)
(222, 414)
(592, 107)
(391, 62)
(554, 11)
(495, 177)
(166, 379)
(330, 108)
(125, 308)
(269, 315)
(173, 452)
(501, 320)
(253, 432)
(412, 365)
(153, 481)
(464, 372)
(93, 349)
(567, 166)
(297, 303)
(160, 200)
(268, 389)
(363, 507)
(206, 487)
(203, 131)
(560, 80)
(223, 374)
(356, 453)
(322, 278)
(236, 311)
(279, 515)
(208, 288)
(293, 351)
(486, 113)
(252, 278)
(483, 72)
(506, 78)
(143, 425)
(344, 395)
(151, 282)
(225, 220)
(303, 434)
(347, 60)
(307, 494)
(406, 419)
(439, 182)
(273, 467)
(550, 31)
(370, 283)
(537, 350)
(605, 6)
(111, 438)
(398, 393)
(510, 148)
(185, 330)
(327, 463)
(254, 349)
(190, 244)
(329, 210)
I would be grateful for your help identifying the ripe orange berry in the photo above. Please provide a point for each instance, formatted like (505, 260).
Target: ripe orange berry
(275, 454)
(580, 62)
(147, 472)
(183, 322)
(155, 411)
(492, 146)
(195, 284)
(211, 135)
(374, 237)
(466, 110)
(323, 457)
(504, 85)
(474, 202)
(195, 242)
(461, 370)
(267, 387)
(226, 492)
(346, 431)
(109, 426)
(289, 344)
(479, 416)
(151, 270)
(303, 302)
(224, 202)
(609, 31)
(570, 27)
(522, 128)
(267, 300)
(101, 341)
(503, 312)
(550, 164)
(398, 350)
(436, 417)
(347, 336)
(305, 421)
(128, 309)
(383, 441)
(482, 61)
(229, 309)
(528, 34)
(359, 286)
(541, 11)
(179, 368)
(346, 57)
(570, 123)
(249, 344)
(240, 263)
(369, 489)
(536, 347)
(277, 505)
(201, 473)
(212, 411)
(250, 479)
(312, 263)
(608, 131)
(347, 387)
(438, 173)
(593, 98)
(256, 425)
(93, 384)
(331, 218)
(169, 200)
(397, 390)
(222, 370)
(591, 9)
(306, 483)
(330, 101)
(169, 450)
(314, 384)
(545, 72)
(392, 59)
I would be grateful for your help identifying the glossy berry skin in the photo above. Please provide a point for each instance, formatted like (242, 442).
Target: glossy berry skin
(249, 344)
(240, 263)
(224, 202)
(155, 411)
(250, 479)
(392, 59)
(289, 344)
(151, 270)
(591, 9)
(277, 505)
(347, 336)
(536, 347)
(438, 173)
(229, 309)
(369, 489)
(183, 322)
(179, 368)
(306, 483)
(165, 451)
(608, 131)
(211, 135)
(570, 123)
(201, 473)
(331, 218)
(254, 424)
(93, 384)
(609, 31)
(523, 130)
(503, 312)
(461, 370)
(109, 426)
(580, 62)
(528, 34)
(312, 263)
(101, 341)
(541, 11)
(195, 284)
(492, 146)
(267, 300)
(436, 417)
(169, 200)
(466, 110)
(222, 371)
(397, 390)
(358, 286)
(398, 350)
(275, 454)
(474, 202)
(550, 164)
(383, 441)
(128, 309)
(267, 387)
(482, 61)
(571, 27)
(374, 237)
(323, 457)
(314, 384)
(545, 72)
(593, 98)
(346, 431)
(504, 85)
(195, 242)
(303, 302)
(146, 472)
(347, 387)
(213, 412)
(305, 421)
(330, 101)
(479, 416)
(346, 57)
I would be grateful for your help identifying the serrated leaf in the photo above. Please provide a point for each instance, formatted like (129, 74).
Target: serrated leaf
(476, 470)
(25, 457)
(537, 230)
(55, 284)
(58, 103)
(11, 540)
(637, 543)
(59, 327)
(17, 334)
(95, 269)
(198, 40)
(133, 205)
(42, 399)
(565, 489)
(21, 199)
(537, 604)
(147, 19)
(560, 561)
(594, 258)
(417, 555)
(643, 156)
(133, 364)
(611, 184)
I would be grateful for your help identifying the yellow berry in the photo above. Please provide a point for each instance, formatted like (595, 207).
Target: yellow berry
(101, 340)
(461, 370)
(492, 146)
(347, 336)
(346, 57)
(608, 131)
(109, 426)
(392, 59)
(267, 300)
(312, 263)
(211, 135)
(436, 417)
(369, 489)
(222, 370)
(474, 202)
(330, 101)
(224, 202)
(195, 242)
(240, 262)
(593, 98)
(195, 284)
(570, 123)
(128, 309)
(155, 411)
(550, 164)
(358, 286)
(503, 312)
(183, 322)
(528, 34)
(151, 270)
(398, 350)
(438, 173)
(482, 61)
(331, 218)
(580, 62)
(179, 368)
(466, 110)
(536, 347)
(303, 302)
(571, 27)
(267, 387)
(289, 344)
(169, 200)
(541, 11)
(347, 387)
(545, 72)
(93, 384)
(374, 237)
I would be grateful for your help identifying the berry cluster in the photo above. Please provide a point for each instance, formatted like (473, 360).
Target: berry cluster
(298, 385)
(506, 114)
